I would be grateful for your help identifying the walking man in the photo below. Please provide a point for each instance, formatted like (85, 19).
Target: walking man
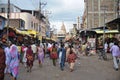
(62, 56)
(116, 55)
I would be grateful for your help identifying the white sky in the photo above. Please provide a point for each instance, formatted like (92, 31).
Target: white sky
(65, 11)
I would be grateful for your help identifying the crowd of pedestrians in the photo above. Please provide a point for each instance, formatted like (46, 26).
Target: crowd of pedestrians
(11, 56)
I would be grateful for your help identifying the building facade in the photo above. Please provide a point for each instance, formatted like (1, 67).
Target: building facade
(31, 18)
(98, 12)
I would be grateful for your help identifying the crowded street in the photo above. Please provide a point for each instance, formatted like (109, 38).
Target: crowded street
(59, 40)
(86, 68)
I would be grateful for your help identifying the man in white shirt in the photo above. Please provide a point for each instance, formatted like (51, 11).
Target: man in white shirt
(105, 47)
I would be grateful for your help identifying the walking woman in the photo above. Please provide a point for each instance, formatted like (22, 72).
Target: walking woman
(14, 62)
(22, 53)
(8, 58)
(40, 53)
(29, 56)
(2, 62)
(53, 54)
(71, 59)
(24, 59)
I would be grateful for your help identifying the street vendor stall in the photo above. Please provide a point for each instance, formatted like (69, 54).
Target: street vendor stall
(89, 37)
(86, 34)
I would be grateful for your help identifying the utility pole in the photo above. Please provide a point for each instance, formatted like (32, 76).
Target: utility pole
(87, 14)
(46, 13)
(118, 8)
(8, 20)
(104, 8)
(41, 5)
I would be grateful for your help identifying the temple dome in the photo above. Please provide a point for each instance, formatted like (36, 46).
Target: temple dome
(62, 30)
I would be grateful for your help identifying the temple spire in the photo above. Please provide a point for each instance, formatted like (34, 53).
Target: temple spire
(63, 27)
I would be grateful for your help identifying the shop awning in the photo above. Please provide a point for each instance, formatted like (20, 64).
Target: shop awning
(22, 32)
(27, 32)
(47, 38)
(33, 33)
(117, 20)
(114, 24)
(106, 31)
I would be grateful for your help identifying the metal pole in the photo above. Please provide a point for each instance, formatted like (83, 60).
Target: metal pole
(87, 20)
(104, 8)
(40, 18)
(40, 14)
(8, 21)
(104, 30)
(118, 8)
(87, 15)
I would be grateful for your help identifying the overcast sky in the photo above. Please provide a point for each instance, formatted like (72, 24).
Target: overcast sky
(60, 11)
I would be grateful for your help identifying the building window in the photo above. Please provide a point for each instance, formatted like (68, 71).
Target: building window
(2, 10)
(39, 28)
(22, 24)
(32, 25)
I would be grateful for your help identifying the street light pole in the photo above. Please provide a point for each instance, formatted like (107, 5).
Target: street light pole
(8, 21)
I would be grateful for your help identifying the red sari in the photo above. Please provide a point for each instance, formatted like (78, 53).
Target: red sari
(71, 58)
(29, 56)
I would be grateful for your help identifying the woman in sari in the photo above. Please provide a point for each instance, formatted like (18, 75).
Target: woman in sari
(40, 55)
(24, 59)
(29, 56)
(71, 59)
(8, 58)
(14, 62)
(53, 54)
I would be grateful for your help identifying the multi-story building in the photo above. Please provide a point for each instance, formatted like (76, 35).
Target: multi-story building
(100, 15)
(99, 12)
(31, 18)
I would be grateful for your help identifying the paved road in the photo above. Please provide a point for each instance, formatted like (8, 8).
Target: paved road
(90, 68)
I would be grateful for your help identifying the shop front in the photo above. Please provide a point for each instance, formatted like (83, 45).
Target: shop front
(89, 36)
(105, 36)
